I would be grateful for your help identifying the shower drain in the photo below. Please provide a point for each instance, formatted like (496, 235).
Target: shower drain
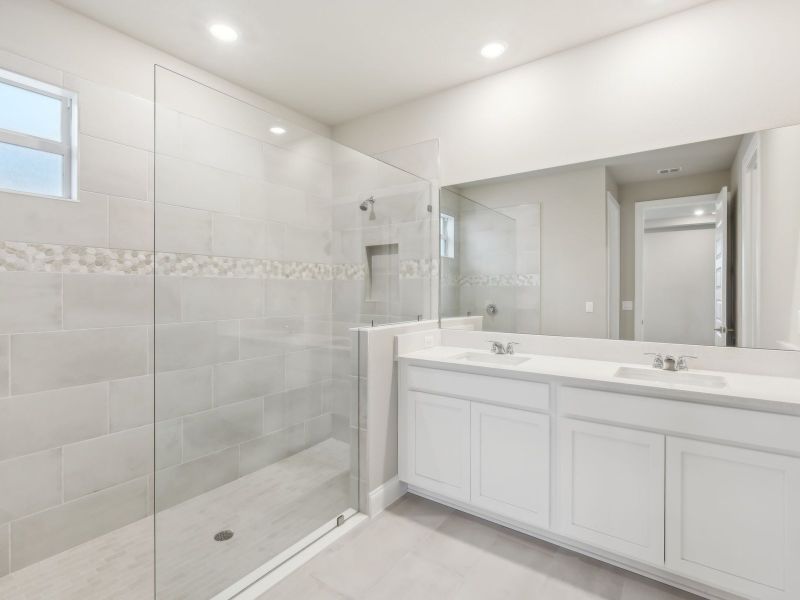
(223, 536)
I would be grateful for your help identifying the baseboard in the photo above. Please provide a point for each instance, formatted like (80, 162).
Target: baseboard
(385, 495)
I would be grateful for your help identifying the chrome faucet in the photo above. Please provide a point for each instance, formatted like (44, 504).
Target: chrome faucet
(498, 348)
(669, 362)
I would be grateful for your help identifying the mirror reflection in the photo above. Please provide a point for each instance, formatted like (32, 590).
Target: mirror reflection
(694, 244)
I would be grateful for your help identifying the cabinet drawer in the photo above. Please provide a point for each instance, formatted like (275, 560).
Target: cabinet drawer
(500, 390)
(733, 425)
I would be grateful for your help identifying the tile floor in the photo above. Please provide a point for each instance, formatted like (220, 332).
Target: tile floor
(268, 511)
(420, 550)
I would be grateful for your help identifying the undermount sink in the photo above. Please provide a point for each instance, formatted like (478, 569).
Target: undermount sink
(491, 359)
(671, 377)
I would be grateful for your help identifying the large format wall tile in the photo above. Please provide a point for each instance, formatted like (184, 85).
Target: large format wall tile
(216, 298)
(51, 221)
(246, 379)
(130, 224)
(259, 453)
(5, 531)
(96, 300)
(101, 113)
(30, 483)
(181, 229)
(111, 168)
(52, 531)
(182, 482)
(221, 428)
(298, 297)
(303, 404)
(183, 392)
(248, 238)
(42, 361)
(275, 335)
(30, 301)
(183, 183)
(50, 419)
(168, 443)
(188, 345)
(5, 341)
(307, 366)
(130, 403)
(106, 461)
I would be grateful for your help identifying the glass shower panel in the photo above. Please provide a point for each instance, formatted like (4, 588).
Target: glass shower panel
(478, 272)
(261, 267)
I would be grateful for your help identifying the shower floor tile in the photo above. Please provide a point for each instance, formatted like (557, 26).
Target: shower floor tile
(267, 510)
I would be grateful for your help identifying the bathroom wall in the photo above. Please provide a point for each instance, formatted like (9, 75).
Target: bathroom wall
(631, 193)
(720, 69)
(76, 320)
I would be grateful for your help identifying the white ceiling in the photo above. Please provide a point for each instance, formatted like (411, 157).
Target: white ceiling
(335, 60)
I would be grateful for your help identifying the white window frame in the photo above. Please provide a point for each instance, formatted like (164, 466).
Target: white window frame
(67, 148)
(447, 239)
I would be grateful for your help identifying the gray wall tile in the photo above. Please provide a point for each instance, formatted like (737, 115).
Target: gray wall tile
(274, 335)
(111, 168)
(130, 403)
(45, 420)
(189, 345)
(303, 404)
(307, 366)
(257, 454)
(319, 429)
(49, 221)
(209, 298)
(5, 531)
(29, 484)
(130, 224)
(47, 533)
(248, 238)
(97, 300)
(184, 183)
(247, 379)
(168, 443)
(168, 299)
(221, 428)
(296, 297)
(4, 353)
(181, 229)
(106, 461)
(180, 393)
(42, 361)
(182, 482)
(30, 301)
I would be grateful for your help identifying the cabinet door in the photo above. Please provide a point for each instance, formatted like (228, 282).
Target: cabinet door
(511, 463)
(439, 453)
(733, 518)
(611, 484)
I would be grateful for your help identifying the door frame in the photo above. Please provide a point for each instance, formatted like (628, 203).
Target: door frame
(749, 216)
(613, 265)
(640, 210)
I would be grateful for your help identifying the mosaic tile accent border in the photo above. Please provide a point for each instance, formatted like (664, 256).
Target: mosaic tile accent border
(515, 280)
(54, 258)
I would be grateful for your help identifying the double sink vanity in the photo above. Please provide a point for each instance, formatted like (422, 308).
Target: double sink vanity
(690, 477)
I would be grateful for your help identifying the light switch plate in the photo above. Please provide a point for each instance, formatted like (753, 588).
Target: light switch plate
(590, 307)
(627, 305)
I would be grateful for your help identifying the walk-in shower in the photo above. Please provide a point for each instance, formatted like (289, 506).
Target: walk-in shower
(181, 410)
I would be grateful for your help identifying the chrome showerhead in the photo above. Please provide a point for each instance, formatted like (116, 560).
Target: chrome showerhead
(368, 203)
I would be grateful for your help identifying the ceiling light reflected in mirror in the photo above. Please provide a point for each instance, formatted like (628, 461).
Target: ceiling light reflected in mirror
(224, 33)
(493, 49)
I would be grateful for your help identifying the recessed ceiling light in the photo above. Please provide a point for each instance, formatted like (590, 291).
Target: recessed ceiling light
(699, 212)
(493, 49)
(223, 32)
(277, 130)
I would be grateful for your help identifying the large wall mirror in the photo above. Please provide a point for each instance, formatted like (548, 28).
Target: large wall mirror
(695, 244)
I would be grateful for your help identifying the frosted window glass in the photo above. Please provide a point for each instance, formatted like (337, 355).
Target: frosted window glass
(33, 171)
(27, 112)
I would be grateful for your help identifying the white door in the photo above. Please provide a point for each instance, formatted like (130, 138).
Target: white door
(439, 452)
(720, 269)
(611, 483)
(511, 463)
(613, 265)
(733, 518)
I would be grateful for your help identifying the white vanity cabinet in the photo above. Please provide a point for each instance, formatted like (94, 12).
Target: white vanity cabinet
(438, 450)
(511, 463)
(611, 488)
(697, 490)
(733, 518)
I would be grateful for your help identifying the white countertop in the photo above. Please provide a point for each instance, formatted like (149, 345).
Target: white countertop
(754, 392)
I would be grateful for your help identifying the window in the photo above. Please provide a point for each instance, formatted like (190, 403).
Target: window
(38, 129)
(447, 237)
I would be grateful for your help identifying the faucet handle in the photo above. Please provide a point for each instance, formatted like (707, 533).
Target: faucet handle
(682, 364)
(497, 347)
(658, 361)
(510, 347)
